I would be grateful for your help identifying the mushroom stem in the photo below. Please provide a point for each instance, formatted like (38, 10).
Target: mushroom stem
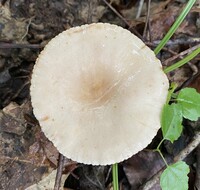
(115, 176)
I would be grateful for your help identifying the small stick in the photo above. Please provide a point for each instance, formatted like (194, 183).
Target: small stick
(17, 159)
(181, 156)
(59, 172)
(151, 44)
(140, 9)
(122, 18)
(4, 45)
(27, 29)
(147, 22)
(89, 16)
(149, 28)
(190, 147)
(17, 93)
(116, 12)
(193, 67)
(177, 41)
(197, 181)
(181, 54)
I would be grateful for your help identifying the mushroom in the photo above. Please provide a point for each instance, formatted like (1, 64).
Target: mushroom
(98, 91)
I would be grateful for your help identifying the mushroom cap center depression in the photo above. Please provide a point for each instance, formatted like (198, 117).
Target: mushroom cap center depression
(95, 86)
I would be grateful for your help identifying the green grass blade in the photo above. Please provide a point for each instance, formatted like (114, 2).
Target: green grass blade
(183, 61)
(175, 26)
(115, 176)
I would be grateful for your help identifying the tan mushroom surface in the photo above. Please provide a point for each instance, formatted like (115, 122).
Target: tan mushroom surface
(97, 91)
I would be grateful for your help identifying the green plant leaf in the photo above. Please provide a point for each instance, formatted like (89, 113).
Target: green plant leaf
(189, 99)
(171, 122)
(175, 177)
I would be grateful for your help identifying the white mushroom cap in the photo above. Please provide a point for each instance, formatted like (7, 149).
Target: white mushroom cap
(97, 92)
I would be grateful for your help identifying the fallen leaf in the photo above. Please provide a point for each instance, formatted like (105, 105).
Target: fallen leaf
(48, 182)
(13, 29)
(12, 119)
(141, 167)
(196, 83)
(22, 159)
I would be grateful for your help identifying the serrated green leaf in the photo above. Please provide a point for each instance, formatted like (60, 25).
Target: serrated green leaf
(175, 177)
(189, 99)
(171, 122)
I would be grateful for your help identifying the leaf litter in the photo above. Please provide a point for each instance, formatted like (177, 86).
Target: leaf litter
(26, 156)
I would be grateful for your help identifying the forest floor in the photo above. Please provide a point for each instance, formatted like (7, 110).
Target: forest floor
(26, 155)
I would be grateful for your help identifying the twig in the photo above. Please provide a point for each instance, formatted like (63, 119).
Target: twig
(147, 22)
(140, 9)
(108, 174)
(27, 29)
(153, 45)
(181, 156)
(191, 146)
(116, 12)
(177, 41)
(59, 172)
(197, 181)
(17, 93)
(96, 182)
(17, 159)
(4, 45)
(89, 16)
(193, 67)
(122, 18)
(181, 54)
(149, 28)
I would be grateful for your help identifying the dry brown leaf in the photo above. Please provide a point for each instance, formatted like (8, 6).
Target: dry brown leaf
(142, 167)
(190, 25)
(12, 119)
(12, 28)
(179, 76)
(162, 21)
(47, 183)
(196, 83)
(22, 160)
(156, 8)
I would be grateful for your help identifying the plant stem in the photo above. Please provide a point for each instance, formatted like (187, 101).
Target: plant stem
(158, 147)
(115, 176)
(173, 86)
(183, 61)
(158, 150)
(175, 26)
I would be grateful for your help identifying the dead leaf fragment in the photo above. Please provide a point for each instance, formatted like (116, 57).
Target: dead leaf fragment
(22, 160)
(142, 167)
(12, 28)
(48, 182)
(12, 119)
